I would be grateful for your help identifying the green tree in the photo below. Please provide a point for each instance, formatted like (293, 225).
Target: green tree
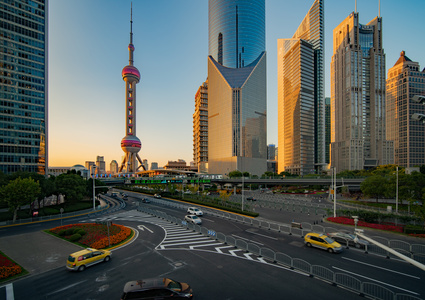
(235, 174)
(19, 192)
(375, 186)
(72, 186)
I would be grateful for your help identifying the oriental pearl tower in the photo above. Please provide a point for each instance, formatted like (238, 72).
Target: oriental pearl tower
(130, 144)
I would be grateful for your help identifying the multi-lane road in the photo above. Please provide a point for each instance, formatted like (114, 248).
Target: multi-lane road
(215, 270)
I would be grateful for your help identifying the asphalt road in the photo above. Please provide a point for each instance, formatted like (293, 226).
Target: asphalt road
(226, 273)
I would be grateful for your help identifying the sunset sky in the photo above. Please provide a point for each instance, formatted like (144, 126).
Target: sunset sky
(88, 42)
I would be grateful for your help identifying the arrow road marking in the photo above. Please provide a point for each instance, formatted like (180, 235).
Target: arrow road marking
(143, 227)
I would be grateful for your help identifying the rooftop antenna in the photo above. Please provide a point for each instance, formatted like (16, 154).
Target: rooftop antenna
(379, 9)
(355, 6)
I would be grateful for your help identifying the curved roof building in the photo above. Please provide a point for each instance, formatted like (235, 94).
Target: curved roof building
(236, 31)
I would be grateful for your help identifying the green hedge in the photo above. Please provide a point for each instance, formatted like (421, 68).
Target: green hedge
(414, 229)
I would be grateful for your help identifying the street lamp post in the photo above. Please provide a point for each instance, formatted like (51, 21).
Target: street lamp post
(334, 188)
(396, 194)
(94, 193)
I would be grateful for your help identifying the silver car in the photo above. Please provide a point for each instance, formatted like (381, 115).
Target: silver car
(195, 211)
(193, 219)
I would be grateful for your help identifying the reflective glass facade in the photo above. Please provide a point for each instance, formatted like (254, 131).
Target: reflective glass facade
(301, 102)
(23, 86)
(405, 80)
(358, 133)
(236, 31)
(237, 120)
(237, 87)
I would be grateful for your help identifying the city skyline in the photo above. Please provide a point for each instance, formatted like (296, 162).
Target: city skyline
(86, 94)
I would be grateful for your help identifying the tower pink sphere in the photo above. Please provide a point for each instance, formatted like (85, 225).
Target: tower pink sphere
(131, 143)
(130, 71)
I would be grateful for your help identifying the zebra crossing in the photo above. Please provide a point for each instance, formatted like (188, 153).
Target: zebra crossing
(178, 237)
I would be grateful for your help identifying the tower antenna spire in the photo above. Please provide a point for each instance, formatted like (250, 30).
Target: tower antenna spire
(379, 15)
(131, 24)
(355, 6)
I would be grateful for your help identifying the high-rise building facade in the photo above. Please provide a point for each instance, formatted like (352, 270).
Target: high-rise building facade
(358, 134)
(404, 81)
(200, 128)
(237, 87)
(327, 130)
(237, 31)
(271, 152)
(113, 167)
(100, 165)
(23, 86)
(301, 102)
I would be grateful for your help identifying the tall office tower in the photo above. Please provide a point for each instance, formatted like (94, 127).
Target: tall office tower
(154, 165)
(23, 86)
(200, 128)
(130, 144)
(145, 164)
(327, 130)
(405, 81)
(100, 165)
(358, 137)
(301, 99)
(113, 167)
(271, 152)
(237, 87)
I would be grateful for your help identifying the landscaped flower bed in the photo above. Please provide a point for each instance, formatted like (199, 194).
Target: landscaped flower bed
(8, 268)
(350, 221)
(93, 235)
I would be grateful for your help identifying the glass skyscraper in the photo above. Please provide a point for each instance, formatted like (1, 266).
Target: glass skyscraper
(236, 31)
(358, 133)
(405, 80)
(237, 87)
(23, 86)
(301, 102)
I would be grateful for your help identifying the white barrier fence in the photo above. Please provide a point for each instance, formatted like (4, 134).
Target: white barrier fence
(349, 282)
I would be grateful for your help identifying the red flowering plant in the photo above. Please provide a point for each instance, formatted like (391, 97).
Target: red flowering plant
(350, 221)
(93, 235)
(8, 268)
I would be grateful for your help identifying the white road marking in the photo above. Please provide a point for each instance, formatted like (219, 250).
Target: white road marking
(262, 260)
(266, 236)
(392, 285)
(9, 292)
(381, 268)
(218, 249)
(204, 245)
(65, 288)
(248, 255)
(242, 238)
(233, 252)
(143, 227)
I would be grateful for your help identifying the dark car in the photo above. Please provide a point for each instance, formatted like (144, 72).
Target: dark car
(348, 239)
(251, 199)
(156, 288)
(146, 200)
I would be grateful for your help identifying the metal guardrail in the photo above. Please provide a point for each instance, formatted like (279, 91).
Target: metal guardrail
(414, 251)
(349, 282)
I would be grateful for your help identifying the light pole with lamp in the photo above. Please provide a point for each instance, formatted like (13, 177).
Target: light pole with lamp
(396, 193)
(94, 189)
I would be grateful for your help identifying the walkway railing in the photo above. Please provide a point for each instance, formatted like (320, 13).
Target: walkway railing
(349, 282)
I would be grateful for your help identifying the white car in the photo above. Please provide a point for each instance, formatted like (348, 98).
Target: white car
(193, 219)
(195, 211)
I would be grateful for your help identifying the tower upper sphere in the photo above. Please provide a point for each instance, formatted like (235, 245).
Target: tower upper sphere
(130, 71)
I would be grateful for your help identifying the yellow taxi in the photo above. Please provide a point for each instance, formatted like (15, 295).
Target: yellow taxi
(80, 260)
(322, 241)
